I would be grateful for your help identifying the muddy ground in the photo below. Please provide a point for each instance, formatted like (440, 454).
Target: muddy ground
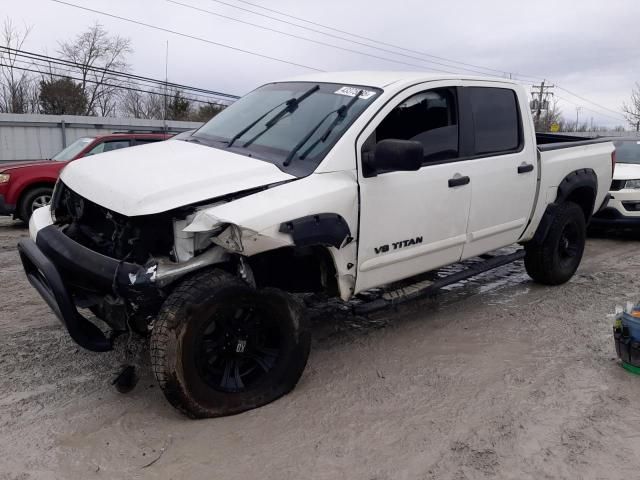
(497, 378)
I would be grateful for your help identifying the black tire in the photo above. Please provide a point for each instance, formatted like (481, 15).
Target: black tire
(199, 334)
(32, 199)
(556, 259)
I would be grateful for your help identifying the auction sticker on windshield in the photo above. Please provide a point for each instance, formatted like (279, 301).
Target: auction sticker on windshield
(353, 91)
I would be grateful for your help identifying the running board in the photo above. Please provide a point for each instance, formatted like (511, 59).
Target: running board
(427, 288)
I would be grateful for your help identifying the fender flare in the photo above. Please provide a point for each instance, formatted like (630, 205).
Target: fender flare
(328, 229)
(584, 178)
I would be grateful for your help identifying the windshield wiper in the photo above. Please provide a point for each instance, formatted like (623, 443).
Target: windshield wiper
(291, 106)
(341, 114)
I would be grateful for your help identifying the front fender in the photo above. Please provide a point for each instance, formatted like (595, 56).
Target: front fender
(275, 218)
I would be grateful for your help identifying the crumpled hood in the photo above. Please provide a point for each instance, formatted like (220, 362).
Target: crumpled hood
(165, 175)
(626, 171)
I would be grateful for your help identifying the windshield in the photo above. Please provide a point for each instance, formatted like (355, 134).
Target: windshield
(271, 122)
(72, 150)
(627, 151)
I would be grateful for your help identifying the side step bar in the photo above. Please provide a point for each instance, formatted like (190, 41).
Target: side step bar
(433, 287)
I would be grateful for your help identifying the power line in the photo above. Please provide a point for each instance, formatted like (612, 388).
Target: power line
(35, 57)
(185, 35)
(110, 85)
(46, 70)
(125, 85)
(517, 75)
(338, 37)
(112, 73)
(501, 72)
(592, 110)
(318, 42)
(211, 42)
(589, 101)
(424, 54)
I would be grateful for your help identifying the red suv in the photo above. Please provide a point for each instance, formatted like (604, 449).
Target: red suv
(25, 186)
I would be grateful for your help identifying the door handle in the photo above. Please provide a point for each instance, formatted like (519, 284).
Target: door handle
(527, 167)
(457, 181)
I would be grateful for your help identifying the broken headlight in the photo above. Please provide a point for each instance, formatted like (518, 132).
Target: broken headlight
(188, 244)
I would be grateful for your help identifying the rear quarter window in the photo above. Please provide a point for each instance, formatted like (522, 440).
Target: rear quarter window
(496, 118)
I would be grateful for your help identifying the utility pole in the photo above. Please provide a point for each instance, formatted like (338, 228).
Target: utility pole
(166, 87)
(578, 117)
(540, 94)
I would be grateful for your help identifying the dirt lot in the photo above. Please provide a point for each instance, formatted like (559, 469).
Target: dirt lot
(498, 378)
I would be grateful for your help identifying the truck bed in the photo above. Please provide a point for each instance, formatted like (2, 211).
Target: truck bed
(554, 141)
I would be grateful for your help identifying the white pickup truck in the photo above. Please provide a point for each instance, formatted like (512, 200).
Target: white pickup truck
(333, 183)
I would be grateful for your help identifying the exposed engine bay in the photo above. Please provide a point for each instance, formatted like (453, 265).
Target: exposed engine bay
(148, 241)
(134, 239)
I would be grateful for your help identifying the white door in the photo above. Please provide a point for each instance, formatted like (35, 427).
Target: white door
(414, 221)
(504, 173)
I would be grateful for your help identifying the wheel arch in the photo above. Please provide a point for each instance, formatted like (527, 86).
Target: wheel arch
(30, 187)
(296, 269)
(579, 187)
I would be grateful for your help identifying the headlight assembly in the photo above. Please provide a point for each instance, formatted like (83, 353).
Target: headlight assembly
(4, 177)
(634, 184)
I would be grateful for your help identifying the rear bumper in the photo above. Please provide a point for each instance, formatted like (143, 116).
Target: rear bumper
(54, 262)
(6, 208)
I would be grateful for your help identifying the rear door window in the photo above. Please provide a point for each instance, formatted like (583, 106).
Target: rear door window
(496, 119)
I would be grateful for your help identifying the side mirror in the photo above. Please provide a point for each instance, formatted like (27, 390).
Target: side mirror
(393, 155)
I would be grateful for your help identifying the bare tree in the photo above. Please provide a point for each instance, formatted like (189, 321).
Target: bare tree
(96, 55)
(632, 109)
(142, 104)
(18, 88)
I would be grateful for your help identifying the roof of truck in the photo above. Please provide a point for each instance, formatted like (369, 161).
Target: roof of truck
(380, 79)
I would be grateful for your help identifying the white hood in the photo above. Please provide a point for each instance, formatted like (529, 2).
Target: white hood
(165, 175)
(626, 171)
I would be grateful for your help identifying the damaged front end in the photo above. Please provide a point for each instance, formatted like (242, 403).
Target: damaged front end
(123, 268)
(118, 267)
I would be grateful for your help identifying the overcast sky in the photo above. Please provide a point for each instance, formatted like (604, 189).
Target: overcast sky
(588, 47)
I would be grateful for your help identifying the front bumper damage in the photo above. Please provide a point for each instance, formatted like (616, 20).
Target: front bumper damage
(54, 264)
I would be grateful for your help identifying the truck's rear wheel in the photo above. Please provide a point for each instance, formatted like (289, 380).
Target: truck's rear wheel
(220, 347)
(557, 257)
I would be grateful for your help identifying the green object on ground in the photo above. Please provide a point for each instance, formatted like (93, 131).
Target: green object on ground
(631, 368)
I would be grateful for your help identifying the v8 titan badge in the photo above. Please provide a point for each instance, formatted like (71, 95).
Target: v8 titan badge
(353, 91)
